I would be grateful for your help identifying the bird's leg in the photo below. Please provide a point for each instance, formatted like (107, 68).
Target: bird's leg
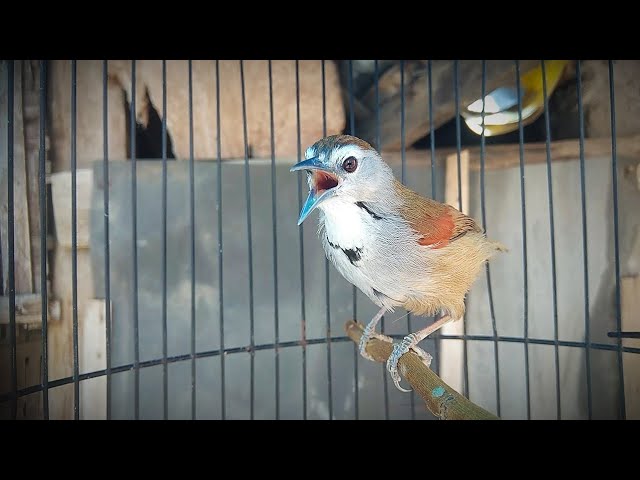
(410, 342)
(369, 331)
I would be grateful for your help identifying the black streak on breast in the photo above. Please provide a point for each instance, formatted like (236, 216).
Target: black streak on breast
(368, 210)
(353, 254)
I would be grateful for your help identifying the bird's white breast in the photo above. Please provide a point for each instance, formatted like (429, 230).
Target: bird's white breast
(366, 248)
(345, 224)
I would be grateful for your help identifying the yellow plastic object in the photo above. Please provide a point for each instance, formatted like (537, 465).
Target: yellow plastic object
(501, 105)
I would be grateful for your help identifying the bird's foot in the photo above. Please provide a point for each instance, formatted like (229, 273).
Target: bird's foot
(369, 331)
(408, 343)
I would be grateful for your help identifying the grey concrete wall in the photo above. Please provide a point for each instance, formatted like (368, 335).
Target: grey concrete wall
(503, 222)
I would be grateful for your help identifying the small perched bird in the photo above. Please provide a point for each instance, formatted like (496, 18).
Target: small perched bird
(398, 247)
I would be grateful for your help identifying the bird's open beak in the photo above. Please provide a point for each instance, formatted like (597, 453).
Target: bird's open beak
(323, 185)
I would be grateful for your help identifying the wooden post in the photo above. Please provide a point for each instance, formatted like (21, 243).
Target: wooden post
(28, 343)
(93, 357)
(452, 351)
(60, 334)
(630, 303)
(23, 274)
(89, 148)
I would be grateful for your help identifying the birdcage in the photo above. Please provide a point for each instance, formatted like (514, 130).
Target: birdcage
(152, 267)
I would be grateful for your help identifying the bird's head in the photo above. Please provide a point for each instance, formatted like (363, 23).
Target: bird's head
(342, 167)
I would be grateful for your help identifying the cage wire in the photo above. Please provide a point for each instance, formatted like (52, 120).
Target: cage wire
(353, 382)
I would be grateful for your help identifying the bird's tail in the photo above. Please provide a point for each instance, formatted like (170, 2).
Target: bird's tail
(499, 247)
(492, 247)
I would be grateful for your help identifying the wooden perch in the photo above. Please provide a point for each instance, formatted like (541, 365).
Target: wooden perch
(441, 400)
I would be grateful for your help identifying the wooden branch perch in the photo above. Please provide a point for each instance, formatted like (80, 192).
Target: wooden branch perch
(441, 400)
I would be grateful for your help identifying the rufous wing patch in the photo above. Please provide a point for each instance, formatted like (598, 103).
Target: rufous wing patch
(435, 231)
(437, 223)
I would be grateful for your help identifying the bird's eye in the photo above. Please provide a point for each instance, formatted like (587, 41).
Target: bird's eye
(350, 164)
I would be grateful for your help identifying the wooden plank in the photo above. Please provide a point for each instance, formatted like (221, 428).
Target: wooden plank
(28, 309)
(89, 147)
(31, 102)
(61, 195)
(29, 372)
(61, 332)
(256, 77)
(93, 357)
(22, 251)
(508, 156)
(452, 351)
(89, 112)
(416, 96)
(630, 299)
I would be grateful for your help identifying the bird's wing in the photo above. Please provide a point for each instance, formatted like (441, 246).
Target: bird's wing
(437, 223)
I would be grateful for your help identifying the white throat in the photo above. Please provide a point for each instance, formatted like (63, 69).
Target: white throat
(344, 223)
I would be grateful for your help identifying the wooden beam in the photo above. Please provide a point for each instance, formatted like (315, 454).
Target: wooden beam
(630, 303)
(508, 156)
(93, 357)
(28, 309)
(61, 196)
(22, 251)
(416, 96)
(31, 103)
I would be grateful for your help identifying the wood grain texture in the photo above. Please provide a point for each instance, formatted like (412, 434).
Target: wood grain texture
(93, 357)
(62, 214)
(22, 242)
(29, 310)
(89, 114)
(416, 96)
(31, 126)
(508, 156)
(256, 80)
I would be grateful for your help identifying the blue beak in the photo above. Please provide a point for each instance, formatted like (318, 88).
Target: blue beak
(313, 200)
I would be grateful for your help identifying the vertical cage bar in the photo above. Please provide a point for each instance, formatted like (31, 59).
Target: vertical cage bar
(432, 144)
(134, 242)
(352, 131)
(274, 216)
(249, 240)
(165, 366)
(585, 251)
(74, 240)
(456, 90)
(456, 82)
(192, 216)
(525, 268)
(553, 237)
(107, 247)
(616, 240)
(223, 396)
(385, 379)
(42, 177)
(11, 240)
(303, 310)
(484, 226)
(403, 149)
(326, 261)
(356, 354)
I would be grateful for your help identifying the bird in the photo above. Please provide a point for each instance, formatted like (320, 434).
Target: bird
(399, 248)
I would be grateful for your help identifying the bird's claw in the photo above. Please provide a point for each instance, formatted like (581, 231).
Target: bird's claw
(408, 343)
(364, 339)
(395, 376)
